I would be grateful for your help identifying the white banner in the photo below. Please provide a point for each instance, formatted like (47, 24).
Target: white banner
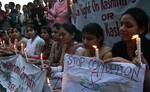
(106, 13)
(18, 76)
(84, 74)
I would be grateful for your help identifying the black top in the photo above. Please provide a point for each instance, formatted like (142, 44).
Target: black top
(120, 50)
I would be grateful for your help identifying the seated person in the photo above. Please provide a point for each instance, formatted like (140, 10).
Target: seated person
(133, 21)
(92, 34)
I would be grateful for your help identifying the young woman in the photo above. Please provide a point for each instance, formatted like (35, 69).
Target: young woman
(92, 34)
(46, 35)
(133, 21)
(35, 42)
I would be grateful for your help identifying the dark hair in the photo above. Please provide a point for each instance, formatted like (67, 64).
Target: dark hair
(33, 27)
(94, 29)
(140, 17)
(12, 4)
(57, 26)
(71, 29)
(48, 29)
(18, 5)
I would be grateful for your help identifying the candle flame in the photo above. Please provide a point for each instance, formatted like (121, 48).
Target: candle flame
(21, 44)
(41, 56)
(135, 36)
(94, 46)
(24, 49)
(71, 3)
(14, 46)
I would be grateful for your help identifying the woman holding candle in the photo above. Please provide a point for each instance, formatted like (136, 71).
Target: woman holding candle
(46, 35)
(92, 35)
(67, 44)
(35, 42)
(133, 21)
(20, 38)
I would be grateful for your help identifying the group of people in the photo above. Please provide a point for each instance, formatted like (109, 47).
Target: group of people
(54, 39)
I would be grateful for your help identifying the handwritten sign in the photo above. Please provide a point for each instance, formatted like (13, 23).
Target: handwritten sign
(84, 74)
(18, 76)
(107, 13)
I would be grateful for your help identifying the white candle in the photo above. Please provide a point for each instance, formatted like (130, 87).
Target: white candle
(15, 49)
(1, 44)
(71, 4)
(96, 52)
(16, 41)
(42, 63)
(25, 54)
(4, 44)
(22, 48)
(47, 5)
(138, 45)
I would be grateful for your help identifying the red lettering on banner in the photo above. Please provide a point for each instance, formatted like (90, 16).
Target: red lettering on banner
(86, 9)
(95, 6)
(112, 31)
(108, 4)
(108, 16)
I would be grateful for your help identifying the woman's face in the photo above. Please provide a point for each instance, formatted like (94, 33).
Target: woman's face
(44, 34)
(16, 33)
(64, 36)
(89, 40)
(128, 27)
(10, 32)
(54, 34)
(31, 32)
(7, 7)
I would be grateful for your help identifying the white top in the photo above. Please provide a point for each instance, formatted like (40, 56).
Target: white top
(33, 47)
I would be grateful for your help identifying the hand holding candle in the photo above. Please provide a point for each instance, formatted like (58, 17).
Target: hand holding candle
(96, 52)
(138, 44)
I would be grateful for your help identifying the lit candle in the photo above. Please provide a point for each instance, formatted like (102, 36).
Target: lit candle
(96, 52)
(47, 4)
(16, 41)
(48, 81)
(25, 54)
(15, 49)
(1, 44)
(22, 48)
(138, 44)
(42, 63)
(71, 3)
(4, 44)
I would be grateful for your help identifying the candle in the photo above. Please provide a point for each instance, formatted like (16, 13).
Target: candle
(48, 81)
(47, 4)
(71, 4)
(96, 52)
(1, 44)
(22, 48)
(4, 44)
(15, 49)
(16, 41)
(138, 44)
(42, 63)
(25, 54)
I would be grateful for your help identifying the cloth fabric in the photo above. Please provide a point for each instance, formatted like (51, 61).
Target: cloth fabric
(120, 50)
(59, 13)
(104, 53)
(34, 47)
